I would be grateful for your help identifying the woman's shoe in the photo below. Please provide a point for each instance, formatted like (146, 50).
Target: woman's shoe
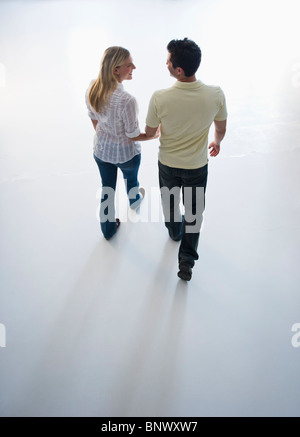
(142, 192)
(137, 203)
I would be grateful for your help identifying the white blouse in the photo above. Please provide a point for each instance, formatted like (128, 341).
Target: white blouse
(115, 127)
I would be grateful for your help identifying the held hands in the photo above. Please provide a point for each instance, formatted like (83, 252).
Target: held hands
(215, 149)
(151, 133)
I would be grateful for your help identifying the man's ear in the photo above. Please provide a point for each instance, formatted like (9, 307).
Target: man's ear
(179, 71)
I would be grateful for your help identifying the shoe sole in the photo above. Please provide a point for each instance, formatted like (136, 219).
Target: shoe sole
(185, 276)
(142, 192)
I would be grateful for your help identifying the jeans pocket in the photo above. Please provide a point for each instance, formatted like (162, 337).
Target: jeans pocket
(131, 163)
(126, 165)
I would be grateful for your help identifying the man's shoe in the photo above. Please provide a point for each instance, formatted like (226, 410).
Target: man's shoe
(185, 272)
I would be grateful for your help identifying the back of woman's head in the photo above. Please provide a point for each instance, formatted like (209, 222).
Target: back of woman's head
(106, 82)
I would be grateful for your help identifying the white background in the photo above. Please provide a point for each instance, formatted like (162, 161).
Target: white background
(99, 328)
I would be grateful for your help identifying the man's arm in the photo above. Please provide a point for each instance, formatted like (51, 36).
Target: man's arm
(152, 131)
(220, 130)
(150, 134)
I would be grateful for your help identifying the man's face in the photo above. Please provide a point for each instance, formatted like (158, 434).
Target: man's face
(170, 66)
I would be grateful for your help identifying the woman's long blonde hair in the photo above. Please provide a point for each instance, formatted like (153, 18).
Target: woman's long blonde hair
(106, 82)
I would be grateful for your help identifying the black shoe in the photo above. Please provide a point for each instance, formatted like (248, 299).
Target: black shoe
(185, 272)
(118, 225)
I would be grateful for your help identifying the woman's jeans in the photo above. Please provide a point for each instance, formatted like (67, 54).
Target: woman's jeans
(108, 173)
(185, 227)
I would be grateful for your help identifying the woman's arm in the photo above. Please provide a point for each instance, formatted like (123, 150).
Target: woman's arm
(95, 122)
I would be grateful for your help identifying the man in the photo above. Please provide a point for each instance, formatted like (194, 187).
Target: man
(185, 113)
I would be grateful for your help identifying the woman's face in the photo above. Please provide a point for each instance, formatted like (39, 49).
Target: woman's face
(124, 71)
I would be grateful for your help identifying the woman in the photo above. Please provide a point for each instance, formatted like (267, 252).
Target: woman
(113, 112)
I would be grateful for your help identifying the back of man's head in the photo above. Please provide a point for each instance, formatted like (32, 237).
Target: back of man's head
(185, 54)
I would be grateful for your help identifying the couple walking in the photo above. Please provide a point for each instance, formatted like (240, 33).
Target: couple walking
(181, 116)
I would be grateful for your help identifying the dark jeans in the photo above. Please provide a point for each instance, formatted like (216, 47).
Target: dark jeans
(192, 183)
(108, 173)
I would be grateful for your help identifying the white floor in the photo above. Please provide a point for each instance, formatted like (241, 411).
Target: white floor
(98, 328)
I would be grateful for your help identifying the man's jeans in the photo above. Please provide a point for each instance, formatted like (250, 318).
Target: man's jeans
(186, 228)
(108, 173)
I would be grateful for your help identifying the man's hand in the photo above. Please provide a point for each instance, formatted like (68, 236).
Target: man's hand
(215, 149)
(152, 132)
(220, 130)
(157, 132)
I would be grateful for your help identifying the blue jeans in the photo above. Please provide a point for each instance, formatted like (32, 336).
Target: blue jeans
(192, 183)
(108, 173)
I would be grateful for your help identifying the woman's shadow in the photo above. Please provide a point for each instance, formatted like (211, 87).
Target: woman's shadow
(147, 378)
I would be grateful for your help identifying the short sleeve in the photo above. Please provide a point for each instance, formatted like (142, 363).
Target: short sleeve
(91, 112)
(130, 118)
(152, 119)
(222, 113)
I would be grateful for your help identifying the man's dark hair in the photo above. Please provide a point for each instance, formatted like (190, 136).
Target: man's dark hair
(185, 54)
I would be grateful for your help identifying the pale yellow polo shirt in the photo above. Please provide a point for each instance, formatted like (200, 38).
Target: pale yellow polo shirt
(185, 112)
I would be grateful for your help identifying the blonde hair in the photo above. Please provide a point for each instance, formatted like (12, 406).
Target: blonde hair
(106, 82)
